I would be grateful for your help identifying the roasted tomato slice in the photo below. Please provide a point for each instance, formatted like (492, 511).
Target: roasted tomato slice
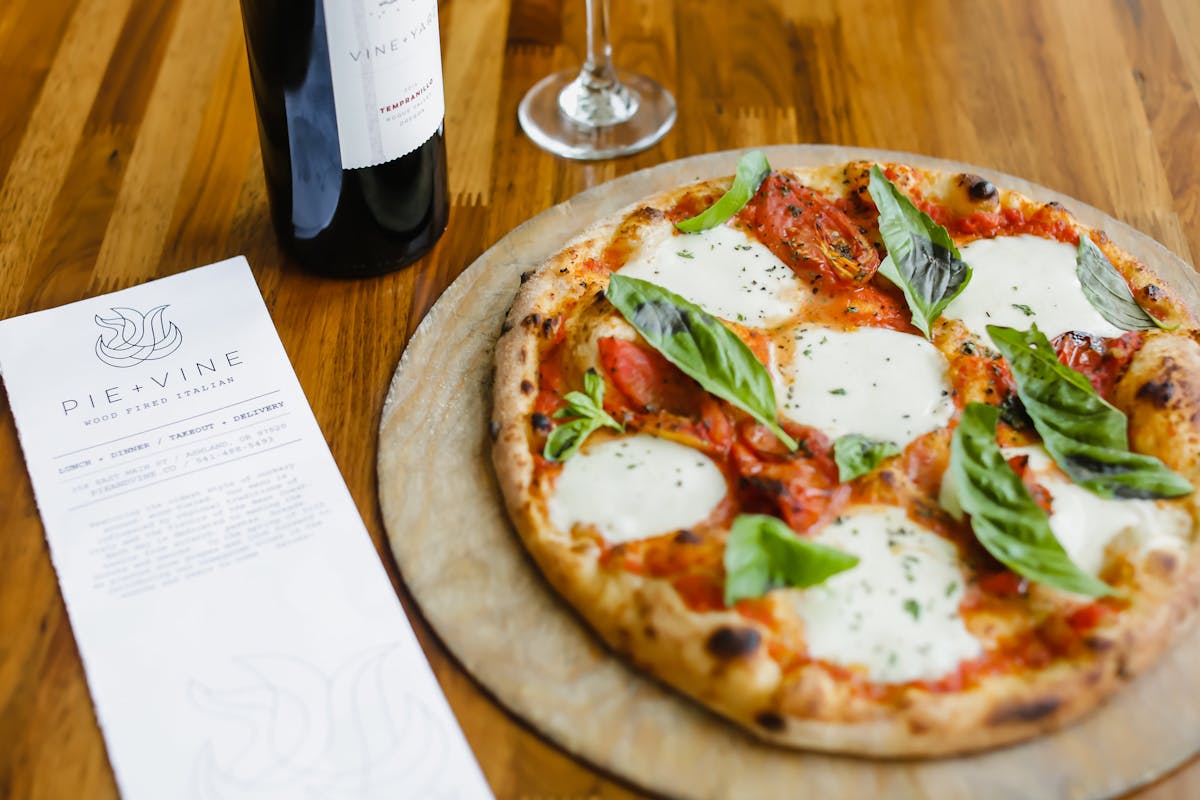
(1102, 361)
(803, 485)
(808, 232)
(649, 381)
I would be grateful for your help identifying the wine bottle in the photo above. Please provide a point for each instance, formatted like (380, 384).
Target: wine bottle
(350, 119)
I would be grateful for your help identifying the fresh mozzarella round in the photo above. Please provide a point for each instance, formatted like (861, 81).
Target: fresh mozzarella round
(723, 270)
(879, 383)
(636, 487)
(1020, 280)
(896, 612)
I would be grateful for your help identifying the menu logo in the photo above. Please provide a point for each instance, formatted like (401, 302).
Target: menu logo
(132, 338)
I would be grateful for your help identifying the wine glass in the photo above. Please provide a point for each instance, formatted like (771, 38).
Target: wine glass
(601, 111)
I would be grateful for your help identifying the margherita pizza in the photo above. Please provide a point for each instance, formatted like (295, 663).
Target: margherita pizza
(866, 458)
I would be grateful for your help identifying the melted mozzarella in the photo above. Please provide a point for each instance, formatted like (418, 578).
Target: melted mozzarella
(884, 384)
(896, 612)
(636, 487)
(1086, 524)
(723, 270)
(1019, 280)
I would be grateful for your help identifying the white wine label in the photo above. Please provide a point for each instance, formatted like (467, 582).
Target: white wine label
(386, 63)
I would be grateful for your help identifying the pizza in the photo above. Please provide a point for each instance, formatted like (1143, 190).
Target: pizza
(865, 458)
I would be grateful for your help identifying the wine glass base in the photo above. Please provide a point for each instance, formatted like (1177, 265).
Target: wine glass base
(544, 122)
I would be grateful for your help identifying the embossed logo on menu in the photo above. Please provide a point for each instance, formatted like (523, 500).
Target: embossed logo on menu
(133, 337)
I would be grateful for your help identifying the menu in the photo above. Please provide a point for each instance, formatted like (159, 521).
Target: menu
(239, 634)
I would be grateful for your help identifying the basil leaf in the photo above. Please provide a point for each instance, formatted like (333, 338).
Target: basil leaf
(1116, 473)
(752, 169)
(564, 441)
(922, 259)
(1086, 436)
(701, 346)
(1107, 291)
(857, 455)
(578, 405)
(1005, 518)
(1056, 397)
(762, 553)
(594, 386)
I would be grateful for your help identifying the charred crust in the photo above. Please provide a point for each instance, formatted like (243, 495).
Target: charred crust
(506, 327)
(1162, 563)
(533, 320)
(1153, 291)
(918, 727)
(548, 326)
(525, 276)
(727, 643)
(494, 430)
(526, 387)
(1056, 205)
(1157, 392)
(1030, 711)
(1123, 670)
(687, 536)
(646, 214)
(540, 422)
(770, 721)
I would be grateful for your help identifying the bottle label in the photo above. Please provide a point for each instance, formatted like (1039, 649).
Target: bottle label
(386, 63)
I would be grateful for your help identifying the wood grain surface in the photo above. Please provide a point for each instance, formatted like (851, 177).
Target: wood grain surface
(128, 151)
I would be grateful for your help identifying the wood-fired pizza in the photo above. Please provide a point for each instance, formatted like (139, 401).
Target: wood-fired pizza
(866, 458)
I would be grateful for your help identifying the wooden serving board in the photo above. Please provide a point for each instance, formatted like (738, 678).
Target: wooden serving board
(483, 595)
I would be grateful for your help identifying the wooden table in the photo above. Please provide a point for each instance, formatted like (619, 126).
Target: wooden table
(129, 151)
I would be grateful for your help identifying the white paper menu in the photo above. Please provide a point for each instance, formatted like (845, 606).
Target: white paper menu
(239, 634)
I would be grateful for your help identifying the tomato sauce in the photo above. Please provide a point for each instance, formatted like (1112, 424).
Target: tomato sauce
(1039, 493)
(692, 204)
(925, 460)
(980, 379)
(1090, 616)
(1047, 221)
(701, 592)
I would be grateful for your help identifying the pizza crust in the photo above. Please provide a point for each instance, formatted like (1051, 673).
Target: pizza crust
(719, 658)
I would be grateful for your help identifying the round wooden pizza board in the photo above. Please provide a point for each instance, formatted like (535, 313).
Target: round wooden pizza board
(467, 569)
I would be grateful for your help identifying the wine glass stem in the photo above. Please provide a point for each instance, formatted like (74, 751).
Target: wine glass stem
(597, 98)
(598, 70)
